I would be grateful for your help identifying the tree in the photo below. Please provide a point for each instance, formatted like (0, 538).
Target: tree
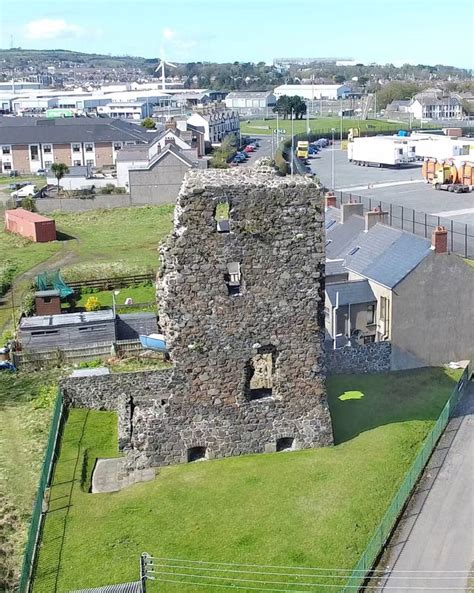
(298, 106)
(282, 106)
(339, 79)
(148, 123)
(59, 170)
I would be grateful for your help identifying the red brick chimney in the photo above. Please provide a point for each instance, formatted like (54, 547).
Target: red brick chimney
(439, 240)
(331, 200)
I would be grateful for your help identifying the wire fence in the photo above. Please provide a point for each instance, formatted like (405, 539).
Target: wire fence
(40, 503)
(460, 235)
(363, 568)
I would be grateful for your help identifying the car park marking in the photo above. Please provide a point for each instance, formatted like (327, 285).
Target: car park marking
(377, 185)
(450, 213)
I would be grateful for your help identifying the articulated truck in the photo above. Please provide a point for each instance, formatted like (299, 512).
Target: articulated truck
(380, 151)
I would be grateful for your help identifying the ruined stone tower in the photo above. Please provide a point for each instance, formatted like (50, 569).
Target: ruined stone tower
(241, 305)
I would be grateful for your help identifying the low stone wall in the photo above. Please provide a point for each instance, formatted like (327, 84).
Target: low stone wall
(369, 358)
(47, 205)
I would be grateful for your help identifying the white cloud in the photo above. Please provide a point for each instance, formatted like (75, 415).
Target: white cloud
(51, 29)
(168, 33)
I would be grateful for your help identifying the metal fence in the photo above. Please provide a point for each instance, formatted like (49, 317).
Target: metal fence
(34, 532)
(460, 235)
(363, 568)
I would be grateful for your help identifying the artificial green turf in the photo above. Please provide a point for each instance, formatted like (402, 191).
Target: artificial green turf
(313, 508)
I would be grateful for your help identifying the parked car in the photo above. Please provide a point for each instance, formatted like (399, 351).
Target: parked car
(234, 163)
(41, 172)
(13, 173)
(249, 149)
(25, 192)
(17, 185)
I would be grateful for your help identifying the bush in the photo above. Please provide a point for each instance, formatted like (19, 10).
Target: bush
(92, 304)
(46, 396)
(108, 189)
(28, 203)
(119, 190)
(7, 274)
(28, 302)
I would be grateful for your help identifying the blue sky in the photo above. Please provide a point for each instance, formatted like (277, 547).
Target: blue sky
(414, 31)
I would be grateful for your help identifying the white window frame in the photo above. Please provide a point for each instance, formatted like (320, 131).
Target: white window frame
(91, 144)
(47, 146)
(8, 146)
(73, 150)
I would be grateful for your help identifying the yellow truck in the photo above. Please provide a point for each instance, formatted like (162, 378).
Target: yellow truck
(302, 149)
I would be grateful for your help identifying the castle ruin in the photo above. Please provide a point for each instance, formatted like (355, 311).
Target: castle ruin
(241, 304)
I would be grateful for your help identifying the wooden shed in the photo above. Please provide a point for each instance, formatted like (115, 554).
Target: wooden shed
(31, 225)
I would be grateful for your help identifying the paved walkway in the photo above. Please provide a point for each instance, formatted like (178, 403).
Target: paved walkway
(436, 534)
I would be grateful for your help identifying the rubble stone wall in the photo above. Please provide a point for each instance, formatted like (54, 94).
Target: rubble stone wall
(215, 331)
(367, 358)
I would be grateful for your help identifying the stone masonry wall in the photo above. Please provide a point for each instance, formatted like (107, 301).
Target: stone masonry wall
(368, 358)
(217, 340)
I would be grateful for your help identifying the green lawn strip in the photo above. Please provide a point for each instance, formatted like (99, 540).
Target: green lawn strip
(313, 508)
(24, 431)
(324, 125)
(139, 295)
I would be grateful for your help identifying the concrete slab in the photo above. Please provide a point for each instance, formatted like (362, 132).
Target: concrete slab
(110, 475)
(90, 372)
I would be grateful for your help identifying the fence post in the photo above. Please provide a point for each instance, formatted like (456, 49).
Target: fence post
(370, 203)
(402, 216)
(413, 220)
(452, 231)
(426, 226)
(465, 240)
(391, 205)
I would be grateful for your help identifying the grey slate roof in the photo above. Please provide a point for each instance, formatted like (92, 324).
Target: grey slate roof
(350, 293)
(248, 94)
(340, 236)
(124, 588)
(386, 255)
(30, 130)
(334, 267)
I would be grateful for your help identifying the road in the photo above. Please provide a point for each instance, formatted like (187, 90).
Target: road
(264, 150)
(436, 532)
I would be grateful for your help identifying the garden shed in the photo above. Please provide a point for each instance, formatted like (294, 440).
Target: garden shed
(31, 225)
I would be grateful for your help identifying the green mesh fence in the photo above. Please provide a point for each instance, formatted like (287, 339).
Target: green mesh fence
(382, 533)
(45, 478)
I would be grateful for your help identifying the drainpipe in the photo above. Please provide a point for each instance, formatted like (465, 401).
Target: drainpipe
(334, 326)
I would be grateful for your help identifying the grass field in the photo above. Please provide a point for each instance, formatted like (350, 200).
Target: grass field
(322, 125)
(139, 295)
(313, 508)
(23, 437)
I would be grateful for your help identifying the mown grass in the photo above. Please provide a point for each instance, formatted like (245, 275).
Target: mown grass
(323, 125)
(24, 430)
(312, 508)
(139, 295)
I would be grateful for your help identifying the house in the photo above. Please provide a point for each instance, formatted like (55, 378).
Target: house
(31, 225)
(188, 142)
(136, 110)
(313, 91)
(249, 100)
(400, 106)
(29, 144)
(384, 284)
(217, 123)
(435, 104)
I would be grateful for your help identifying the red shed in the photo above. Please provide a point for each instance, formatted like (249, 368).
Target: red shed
(29, 224)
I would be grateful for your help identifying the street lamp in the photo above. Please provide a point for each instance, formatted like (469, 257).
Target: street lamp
(292, 141)
(333, 172)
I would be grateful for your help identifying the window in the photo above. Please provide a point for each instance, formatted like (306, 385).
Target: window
(260, 371)
(369, 339)
(76, 148)
(48, 164)
(7, 166)
(117, 145)
(90, 163)
(47, 148)
(232, 278)
(44, 332)
(46, 299)
(34, 152)
(353, 251)
(197, 454)
(285, 444)
(76, 163)
(6, 149)
(222, 216)
(370, 314)
(400, 151)
(89, 147)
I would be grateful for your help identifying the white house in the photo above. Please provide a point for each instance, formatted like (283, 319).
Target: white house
(312, 91)
(217, 124)
(435, 104)
(127, 110)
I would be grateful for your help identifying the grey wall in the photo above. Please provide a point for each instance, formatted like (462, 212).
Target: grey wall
(161, 183)
(131, 325)
(46, 205)
(369, 358)
(433, 311)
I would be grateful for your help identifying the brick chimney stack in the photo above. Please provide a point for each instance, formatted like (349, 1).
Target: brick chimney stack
(331, 200)
(170, 124)
(439, 240)
(373, 217)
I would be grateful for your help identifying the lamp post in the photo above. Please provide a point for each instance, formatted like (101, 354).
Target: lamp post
(292, 141)
(333, 172)
(342, 111)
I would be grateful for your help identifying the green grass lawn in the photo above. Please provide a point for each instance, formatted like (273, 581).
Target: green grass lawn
(139, 295)
(312, 508)
(24, 430)
(323, 125)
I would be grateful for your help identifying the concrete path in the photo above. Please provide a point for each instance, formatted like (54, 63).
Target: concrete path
(110, 476)
(436, 533)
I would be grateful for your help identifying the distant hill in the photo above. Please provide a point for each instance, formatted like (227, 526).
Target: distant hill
(20, 58)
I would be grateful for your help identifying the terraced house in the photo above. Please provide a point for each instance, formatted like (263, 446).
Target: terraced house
(30, 144)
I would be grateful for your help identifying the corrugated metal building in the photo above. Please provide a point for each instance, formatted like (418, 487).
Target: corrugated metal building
(31, 225)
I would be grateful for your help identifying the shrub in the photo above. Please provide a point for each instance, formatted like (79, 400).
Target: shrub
(7, 274)
(92, 304)
(119, 190)
(90, 364)
(28, 203)
(28, 302)
(108, 189)
(46, 396)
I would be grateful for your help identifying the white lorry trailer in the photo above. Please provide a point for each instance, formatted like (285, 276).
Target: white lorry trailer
(441, 148)
(380, 151)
